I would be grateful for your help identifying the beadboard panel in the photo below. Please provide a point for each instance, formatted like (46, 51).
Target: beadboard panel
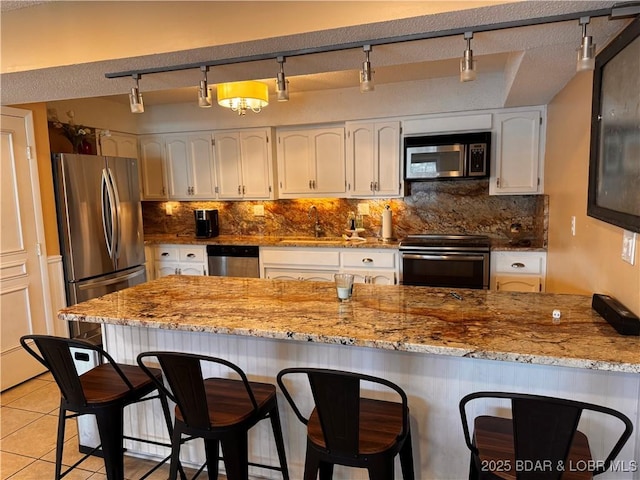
(57, 293)
(434, 385)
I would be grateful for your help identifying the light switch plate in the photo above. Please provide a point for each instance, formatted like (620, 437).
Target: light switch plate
(629, 247)
(363, 208)
(258, 210)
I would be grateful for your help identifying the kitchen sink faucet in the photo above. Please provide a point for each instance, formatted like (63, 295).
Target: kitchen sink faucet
(317, 229)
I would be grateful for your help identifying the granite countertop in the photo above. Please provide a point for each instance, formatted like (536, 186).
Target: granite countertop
(504, 326)
(298, 241)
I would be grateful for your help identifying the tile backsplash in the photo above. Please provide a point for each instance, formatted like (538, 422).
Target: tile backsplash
(461, 206)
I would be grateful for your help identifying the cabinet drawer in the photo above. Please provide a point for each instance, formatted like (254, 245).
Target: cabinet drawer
(516, 263)
(368, 259)
(317, 257)
(192, 254)
(167, 253)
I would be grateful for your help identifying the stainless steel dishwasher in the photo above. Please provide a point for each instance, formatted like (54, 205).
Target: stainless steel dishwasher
(233, 261)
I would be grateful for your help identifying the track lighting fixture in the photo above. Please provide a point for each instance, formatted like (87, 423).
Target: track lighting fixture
(366, 74)
(282, 84)
(135, 97)
(204, 94)
(467, 63)
(587, 50)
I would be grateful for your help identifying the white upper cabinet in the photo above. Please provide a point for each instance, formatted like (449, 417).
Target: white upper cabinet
(373, 159)
(117, 144)
(152, 167)
(189, 159)
(518, 150)
(311, 162)
(244, 164)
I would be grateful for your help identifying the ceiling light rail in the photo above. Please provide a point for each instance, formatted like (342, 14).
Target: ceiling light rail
(617, 11)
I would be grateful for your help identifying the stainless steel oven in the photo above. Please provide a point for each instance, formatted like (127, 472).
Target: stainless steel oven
(450, 261)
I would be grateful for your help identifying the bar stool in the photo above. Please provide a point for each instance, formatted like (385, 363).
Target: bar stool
(541, 441)
(347, 429)
(219, 410)
(103, 391)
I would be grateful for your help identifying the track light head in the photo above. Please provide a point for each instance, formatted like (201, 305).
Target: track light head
(135, 97)
(282, 84)
(587, 50)
(467, 63)
(366, 74)
(204, 94)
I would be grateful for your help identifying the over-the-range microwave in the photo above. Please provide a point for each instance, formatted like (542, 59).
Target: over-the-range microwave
(460, 155)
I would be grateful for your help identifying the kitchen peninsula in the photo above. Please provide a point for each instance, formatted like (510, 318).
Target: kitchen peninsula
(436, 346)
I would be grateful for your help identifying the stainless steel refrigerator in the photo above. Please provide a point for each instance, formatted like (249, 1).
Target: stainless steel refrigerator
(100, 228)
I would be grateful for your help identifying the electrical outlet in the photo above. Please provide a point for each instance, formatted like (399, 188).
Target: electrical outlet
(363, 208)
(258, 210)
(573, 225)
(168, 208)
(628, 247)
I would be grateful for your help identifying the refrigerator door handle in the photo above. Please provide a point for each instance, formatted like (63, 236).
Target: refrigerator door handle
(87, 284)
(115, 206)
(106, 199)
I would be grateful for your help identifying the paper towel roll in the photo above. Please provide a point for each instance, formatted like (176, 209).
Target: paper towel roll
(387, 225)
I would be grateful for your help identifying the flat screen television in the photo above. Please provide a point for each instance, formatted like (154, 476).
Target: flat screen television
(614, 163)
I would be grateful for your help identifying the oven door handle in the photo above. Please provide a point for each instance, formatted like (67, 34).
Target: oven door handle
(411, 256)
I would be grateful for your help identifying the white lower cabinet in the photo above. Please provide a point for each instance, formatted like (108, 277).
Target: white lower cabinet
(320, 264)
(180, 260)
(518, 271)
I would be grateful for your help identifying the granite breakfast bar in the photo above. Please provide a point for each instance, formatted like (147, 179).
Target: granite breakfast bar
(437, 347)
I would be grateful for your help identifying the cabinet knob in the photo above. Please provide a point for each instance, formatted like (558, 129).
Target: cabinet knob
(191, 255)
(164, 254)
(371, 186)
(309, 184)
(517, 265)
(367, 260)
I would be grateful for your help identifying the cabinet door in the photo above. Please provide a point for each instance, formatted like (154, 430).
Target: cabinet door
(118, 145)
(166, 268)
(192, 269)
(387, 161)
(228, 166)
(294, 274)
(152, 168)
(294, 157)
(516, 159)
(361, 159)
(328, 162)
(200, 168)
(177, 158)
(256, 164)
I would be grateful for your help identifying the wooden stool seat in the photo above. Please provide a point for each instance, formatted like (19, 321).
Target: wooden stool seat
(102, 384)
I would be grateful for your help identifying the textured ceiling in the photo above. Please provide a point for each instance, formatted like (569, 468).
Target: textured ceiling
(534, 62)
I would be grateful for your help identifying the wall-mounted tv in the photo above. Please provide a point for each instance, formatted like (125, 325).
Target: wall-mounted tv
(614, 163)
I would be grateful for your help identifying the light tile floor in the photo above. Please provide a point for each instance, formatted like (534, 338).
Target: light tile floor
(28, 425)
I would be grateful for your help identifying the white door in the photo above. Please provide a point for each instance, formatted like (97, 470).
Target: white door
(152, 168)
(256, 180)
(330, 167)
(25, 303)
(176, 150)
(228, 165)
(200, 167)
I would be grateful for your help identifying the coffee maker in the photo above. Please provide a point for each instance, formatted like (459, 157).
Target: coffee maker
(206, 223)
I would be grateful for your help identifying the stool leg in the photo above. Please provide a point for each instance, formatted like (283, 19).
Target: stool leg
(235, 451)
(274, 416)
(110, 427)
(311, 464)
(176, 439)
(326, 471)
(167, 419)
(381, 470)
(406, 459)
(211, 448)
(62, 418)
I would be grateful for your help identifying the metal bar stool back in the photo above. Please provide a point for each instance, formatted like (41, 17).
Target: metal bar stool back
(541, 441)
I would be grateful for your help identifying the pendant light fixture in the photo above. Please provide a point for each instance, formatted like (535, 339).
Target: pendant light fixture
(366, 74)
(135, 97)
(204, 94)
(243, 96)
(587, 50)
(467, 63)
(282, 84)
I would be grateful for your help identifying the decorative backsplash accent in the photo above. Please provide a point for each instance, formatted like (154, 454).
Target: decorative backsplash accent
(462, 207)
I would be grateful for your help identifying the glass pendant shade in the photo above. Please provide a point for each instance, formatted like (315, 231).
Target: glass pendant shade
(243, 96)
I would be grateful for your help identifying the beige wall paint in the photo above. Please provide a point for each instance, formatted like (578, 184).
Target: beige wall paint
(589, 262)
(84, 30)
(45, 175)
